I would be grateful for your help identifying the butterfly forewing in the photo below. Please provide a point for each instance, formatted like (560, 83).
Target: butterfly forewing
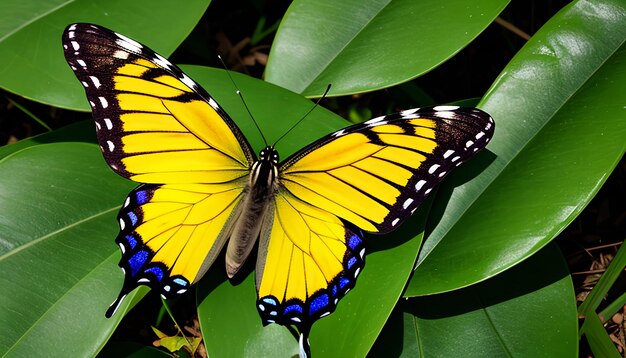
(377, 173)
(154, 124)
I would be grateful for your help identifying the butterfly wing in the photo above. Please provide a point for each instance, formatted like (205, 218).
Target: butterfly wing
(375, 174)
(171, 234)
(370, 176)
(155, 125)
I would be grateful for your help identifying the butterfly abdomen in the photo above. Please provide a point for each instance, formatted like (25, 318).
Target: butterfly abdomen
(256, 205)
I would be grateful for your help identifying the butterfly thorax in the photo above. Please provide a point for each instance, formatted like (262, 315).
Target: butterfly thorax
(255, 206)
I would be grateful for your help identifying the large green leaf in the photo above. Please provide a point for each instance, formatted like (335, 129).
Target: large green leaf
(560, 129)
(58, 260)
(360, 46)
(30, 40)
(528, 311)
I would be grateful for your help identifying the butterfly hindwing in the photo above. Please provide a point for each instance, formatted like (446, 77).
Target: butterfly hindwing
(170, 234)
(307, 262)
(375, 174)
(154, 124)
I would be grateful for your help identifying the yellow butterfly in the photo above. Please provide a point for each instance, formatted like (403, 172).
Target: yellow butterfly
(203, 187)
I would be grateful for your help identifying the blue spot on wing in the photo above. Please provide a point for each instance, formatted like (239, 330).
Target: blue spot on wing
(137, 261)
(141, 197)
(180, 281)
(351, 262)
(343, 282)
(291, 308)
(318, 303)
(354, 241)
(133, 218)
(157, 271)
(132, 242)
(270, 301)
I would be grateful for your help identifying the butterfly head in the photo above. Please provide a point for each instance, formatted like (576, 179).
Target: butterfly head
(269, 154)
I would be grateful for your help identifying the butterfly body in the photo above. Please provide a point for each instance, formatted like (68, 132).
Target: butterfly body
(203, 188)
(256, 205)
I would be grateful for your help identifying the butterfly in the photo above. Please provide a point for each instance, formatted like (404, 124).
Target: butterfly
(203, 187)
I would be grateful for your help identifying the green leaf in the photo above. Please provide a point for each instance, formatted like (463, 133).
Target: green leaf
(360, 46)
(559, 109)
(599, 340)
(601, 289)
(528, 311)
(130, 350)
(30, 40)
(57, 258)
(77, 132)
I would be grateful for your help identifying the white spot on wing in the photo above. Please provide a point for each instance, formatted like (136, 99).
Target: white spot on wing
(98, 127)
(75, 45)
(407, 202)
(446, 108)
(95, 80)
(81, 63)
(167, 288)
(122, 248)
(419, 185)
(442, 174)
(85, 84)
(428, 191)
(213, 104)
(162, 61)
(409, 112)
(122, 224)
(188, 81)
(455, 158)
(261, 307)
(108, 123)
(129, 40)
(445, 114)
(375, 120)
(362, 252)
(480, 135)
(111, 145)
(448, 153)
(469, 144)
(103, 102)
(126, 202)
(181, 291)
(122, 55)
(356, 273)
(339, 133)
(433, 168)
(142, 280)
(71, 34)
(73, 27)
(395, 222)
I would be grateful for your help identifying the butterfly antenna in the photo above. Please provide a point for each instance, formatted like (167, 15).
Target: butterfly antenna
(242, 100)
(305, 115)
